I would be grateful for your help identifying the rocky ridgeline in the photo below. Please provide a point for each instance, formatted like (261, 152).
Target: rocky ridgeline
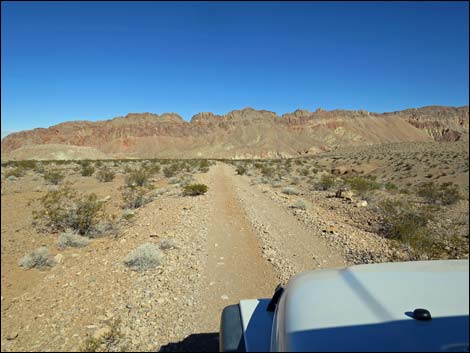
(245, 133)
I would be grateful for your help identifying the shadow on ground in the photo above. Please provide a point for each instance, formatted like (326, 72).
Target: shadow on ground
(198, 342)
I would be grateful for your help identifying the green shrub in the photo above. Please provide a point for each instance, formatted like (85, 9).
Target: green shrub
(170, 171)
(390, 186)
(54, 176)
(194, 189)
(241, 170)
(403, 222)
(137, 177)
(86, 214)
(146, 256)
(326, 182)
(87, 170)
(362, 185)
(134, 197)
(16, 172)
(38, 258)
(444, 194)
(105, 175)
(27, 164)
(63, 209)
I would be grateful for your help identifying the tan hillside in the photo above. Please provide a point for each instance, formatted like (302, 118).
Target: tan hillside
(245, 133)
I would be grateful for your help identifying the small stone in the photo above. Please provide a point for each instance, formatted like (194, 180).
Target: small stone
(362, 203)
(59, 258)
(224, 297)
(12, 336)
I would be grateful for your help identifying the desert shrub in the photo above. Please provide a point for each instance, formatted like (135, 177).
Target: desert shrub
(87, 170)
(70, 239)
(26, 164)
(403, 222)
(390, 186)
(167, 244)
(299, 204)
(290, 191)
(55, 208)
(267, 171)
(194, 189)
(39, 168)
(38, 258)
(105, 175)
(86, 214)
(241, 170)
(54, 176)
(326, 182)
(134, 197)
(204, 165)
(16, 172)
(137, 177)
(153, 169)
(63, 208)
(443, 194)
(170, 170)
(109, 341)
(146, 256)
(362, 185)
(185, 180)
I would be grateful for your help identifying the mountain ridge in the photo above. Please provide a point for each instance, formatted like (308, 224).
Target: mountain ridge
(242, 133)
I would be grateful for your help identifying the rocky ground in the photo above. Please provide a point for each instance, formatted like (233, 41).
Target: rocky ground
(237, 241)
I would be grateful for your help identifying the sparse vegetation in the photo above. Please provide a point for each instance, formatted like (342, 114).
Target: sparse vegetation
(87, 169)
(194, 189)
(326, 182)
(39, 258)
(144, 257)
(241, 170)
(105, 175)
(106, 341)
(403, 222)
(63, 208)
(71, 239)
(443, 194)
(54, 176)
(134, 197)
(137, 177)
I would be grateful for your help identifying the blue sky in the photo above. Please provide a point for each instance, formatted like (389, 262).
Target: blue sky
(96, 60)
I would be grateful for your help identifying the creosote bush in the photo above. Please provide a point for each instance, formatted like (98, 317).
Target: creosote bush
(39, 258)
(54, 177)
(241, 170)
(63, 209)
(194, 189)
(134, 197)
(105, 175)
(403, 222)
(16, 172)
(362, 185)
(87, 169)
(146, 256)
(137, 177)
(326, 182)
(443, 194)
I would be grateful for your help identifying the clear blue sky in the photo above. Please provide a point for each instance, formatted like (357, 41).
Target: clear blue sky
(96, 60)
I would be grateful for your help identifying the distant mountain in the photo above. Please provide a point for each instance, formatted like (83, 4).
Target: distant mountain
(245, 133)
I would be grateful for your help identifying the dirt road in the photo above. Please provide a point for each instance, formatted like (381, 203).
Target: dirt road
(234, 242)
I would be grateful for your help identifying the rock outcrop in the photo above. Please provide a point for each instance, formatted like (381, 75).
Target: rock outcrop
(245, 133)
